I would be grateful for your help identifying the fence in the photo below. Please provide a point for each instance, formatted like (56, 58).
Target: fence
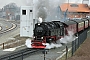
(81, 38)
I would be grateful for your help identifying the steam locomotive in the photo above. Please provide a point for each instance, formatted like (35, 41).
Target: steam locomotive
(50, 32)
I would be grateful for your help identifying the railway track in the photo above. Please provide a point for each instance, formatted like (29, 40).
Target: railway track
(19, 55)
(9, 29)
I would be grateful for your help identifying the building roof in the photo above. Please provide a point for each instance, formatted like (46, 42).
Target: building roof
(69, 22)
(73, 7)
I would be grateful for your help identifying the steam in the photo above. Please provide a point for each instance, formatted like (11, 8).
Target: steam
(28, 43)
(68, 38)
(40, 20)
(52, 45)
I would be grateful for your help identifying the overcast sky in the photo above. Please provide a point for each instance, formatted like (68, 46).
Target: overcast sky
(25, 2)
(18, 2)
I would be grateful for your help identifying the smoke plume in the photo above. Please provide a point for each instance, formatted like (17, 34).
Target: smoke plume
(48, 9)
(41, 9)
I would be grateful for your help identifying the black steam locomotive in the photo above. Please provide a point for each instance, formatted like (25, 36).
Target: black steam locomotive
(48, 32)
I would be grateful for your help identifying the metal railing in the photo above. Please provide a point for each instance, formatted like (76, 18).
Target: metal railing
(77, 42)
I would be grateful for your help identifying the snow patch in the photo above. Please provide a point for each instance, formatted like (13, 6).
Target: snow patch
(10, 49)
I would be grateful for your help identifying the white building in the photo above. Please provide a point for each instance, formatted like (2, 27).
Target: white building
(27, 21)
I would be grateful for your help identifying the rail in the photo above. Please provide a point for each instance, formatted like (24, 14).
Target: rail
(9, 29)
(18, 54)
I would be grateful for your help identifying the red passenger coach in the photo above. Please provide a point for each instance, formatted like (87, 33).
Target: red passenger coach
(80, 25)
(71, 26)
(89, 22)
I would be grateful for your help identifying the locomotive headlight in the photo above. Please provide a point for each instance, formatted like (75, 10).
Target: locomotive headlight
(41, 37)
(34, 37)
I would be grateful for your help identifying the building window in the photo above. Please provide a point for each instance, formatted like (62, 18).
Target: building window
(74, 5)
(30, 10)
(23, 12)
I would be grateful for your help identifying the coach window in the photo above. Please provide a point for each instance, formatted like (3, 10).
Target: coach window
(86, 22)
(82, 24)
(23, 12)
(79, 25)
